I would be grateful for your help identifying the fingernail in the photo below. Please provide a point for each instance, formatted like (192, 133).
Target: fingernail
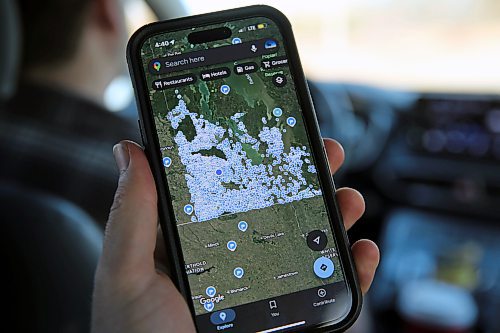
(122, 156)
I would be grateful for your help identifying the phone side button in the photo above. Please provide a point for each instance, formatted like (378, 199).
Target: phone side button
(140, 131)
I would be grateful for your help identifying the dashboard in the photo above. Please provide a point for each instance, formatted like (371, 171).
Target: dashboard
(428, 166)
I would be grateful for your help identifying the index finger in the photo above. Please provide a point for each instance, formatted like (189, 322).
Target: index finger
(335, 154)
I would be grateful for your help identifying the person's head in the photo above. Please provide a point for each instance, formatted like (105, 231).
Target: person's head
(81, 38)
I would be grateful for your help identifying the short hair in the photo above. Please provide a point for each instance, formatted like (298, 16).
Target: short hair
(51, 30)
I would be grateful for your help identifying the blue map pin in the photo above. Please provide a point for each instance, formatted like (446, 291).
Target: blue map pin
(209, 306)
(239, 272)
(277, 112)
(231, 245)
(291, 121)
(188, 209)
(225, 89)
(167, 161)
(210, 291)
(243, 226)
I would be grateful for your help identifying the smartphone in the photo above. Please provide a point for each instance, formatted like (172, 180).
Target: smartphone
(246, 199)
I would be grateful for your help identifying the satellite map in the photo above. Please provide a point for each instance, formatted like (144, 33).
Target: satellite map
(243, 183)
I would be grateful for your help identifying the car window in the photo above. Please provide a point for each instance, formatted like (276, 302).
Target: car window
(137, 14)
(119, 94)
(420, 44)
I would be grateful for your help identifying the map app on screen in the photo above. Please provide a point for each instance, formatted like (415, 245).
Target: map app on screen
(245, 192)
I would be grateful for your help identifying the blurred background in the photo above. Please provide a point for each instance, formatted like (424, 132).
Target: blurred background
(411, 88)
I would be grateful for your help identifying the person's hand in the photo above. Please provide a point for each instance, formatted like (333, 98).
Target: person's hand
(130, 294)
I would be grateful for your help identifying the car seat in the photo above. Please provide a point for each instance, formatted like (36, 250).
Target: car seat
(50, 249)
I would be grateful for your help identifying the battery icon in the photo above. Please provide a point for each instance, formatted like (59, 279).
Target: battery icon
(261, 25)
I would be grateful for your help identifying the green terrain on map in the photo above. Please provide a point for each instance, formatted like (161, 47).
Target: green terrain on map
(262, 258)
(273, 251)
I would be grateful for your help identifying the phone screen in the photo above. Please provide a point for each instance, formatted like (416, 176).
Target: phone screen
(258, 247)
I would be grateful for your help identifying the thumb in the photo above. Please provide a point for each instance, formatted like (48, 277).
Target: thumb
(130, 235)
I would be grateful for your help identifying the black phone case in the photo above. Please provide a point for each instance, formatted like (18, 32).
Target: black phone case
(152, 148)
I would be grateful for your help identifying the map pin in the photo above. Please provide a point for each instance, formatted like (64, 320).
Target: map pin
(225, 89)
(231, 245)
(222, 316)
(242, 225)
(209, 306)
(188, 209)
(291, 121)
(210, 291)
(238, 272)
(167, 161)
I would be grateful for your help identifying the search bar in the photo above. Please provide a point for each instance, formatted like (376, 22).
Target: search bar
(213, 56)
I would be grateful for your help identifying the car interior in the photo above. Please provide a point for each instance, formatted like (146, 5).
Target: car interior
(50, 246)
(427, 163)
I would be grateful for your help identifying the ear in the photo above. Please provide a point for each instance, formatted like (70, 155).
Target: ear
(108, 14)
